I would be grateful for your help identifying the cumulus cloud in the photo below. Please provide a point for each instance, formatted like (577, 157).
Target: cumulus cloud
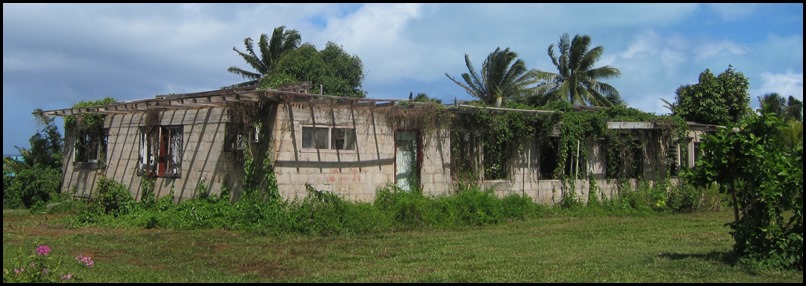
(785, 84)
(374, 33)
(711, 49)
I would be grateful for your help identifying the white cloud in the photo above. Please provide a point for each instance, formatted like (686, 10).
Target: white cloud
(711, 49)
(785, 84)
(375, 34)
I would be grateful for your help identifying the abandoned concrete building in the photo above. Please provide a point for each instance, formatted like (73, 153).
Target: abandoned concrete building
(348, 146)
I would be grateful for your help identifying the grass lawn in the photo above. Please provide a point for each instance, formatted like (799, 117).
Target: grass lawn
(656, 248)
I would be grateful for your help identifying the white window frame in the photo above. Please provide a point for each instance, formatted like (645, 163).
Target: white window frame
(147, 163)
(330, 140)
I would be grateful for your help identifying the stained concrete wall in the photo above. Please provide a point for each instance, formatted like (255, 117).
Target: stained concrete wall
(525, 177)
(202, 156)
(354, 174)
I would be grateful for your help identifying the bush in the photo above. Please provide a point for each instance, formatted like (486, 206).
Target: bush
(113, 197)
(407, 208)
(31, 186)
(476, 207)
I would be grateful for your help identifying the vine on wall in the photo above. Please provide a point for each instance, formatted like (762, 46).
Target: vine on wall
(498, 137)
(88, 126)
(247, 118)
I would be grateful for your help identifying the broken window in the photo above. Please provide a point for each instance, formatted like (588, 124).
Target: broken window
(328, 138)
(161, 151)
(234, 137)
(233, 140)
(496, 160)
(626, 161)
(548, 157)
(343, 139)
(90, 147)
(464, 156)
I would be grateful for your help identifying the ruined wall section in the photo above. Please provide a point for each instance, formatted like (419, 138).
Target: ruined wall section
(202, 158)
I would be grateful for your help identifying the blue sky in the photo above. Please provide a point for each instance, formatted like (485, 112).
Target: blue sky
(55, 55)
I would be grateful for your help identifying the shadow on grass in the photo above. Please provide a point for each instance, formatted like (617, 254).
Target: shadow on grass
(727, 257)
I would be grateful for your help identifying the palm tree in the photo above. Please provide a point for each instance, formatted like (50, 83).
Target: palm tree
(271, 50)
(500, 77)
(577, 80)
(772, 103)
(794, 109)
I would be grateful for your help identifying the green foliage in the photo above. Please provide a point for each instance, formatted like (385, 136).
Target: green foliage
(765, 180)
(772, 103)
(31, 186)
(721, 100)
(331, 69)
(502, 76)
(407, 208)
(469, 206)
(794, 109)
(88, 121)
(37, 177)
(113, 198)
(423, 97)
(46, 146)
(148, 199)
(87, 129)
(577, 81)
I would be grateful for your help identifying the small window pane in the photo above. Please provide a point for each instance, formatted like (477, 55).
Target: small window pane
(314, 137)
(343, 139)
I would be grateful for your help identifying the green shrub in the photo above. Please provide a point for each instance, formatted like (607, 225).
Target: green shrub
(476, 207)
(113, 197)
(32, 186)
(406, 208)
(517, 206)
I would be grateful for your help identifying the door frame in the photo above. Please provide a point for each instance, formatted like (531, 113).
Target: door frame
(418, 153)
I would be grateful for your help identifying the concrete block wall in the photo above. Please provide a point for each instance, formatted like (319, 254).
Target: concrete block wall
(353, 174)
(202, 156)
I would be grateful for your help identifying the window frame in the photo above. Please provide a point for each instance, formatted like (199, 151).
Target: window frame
(168, 165)
(331, 141)
(99, 143)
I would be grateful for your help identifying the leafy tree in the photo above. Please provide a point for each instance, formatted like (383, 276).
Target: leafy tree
(720, 100)
(790, 112)
(271, 50)
(422, 97)
(331, 69)
(765, 181)
(502, 76)
(577, 81)
(46, 145)
(37, 177)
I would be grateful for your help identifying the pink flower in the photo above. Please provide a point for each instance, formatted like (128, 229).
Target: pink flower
(67, 276)
(43, 250)
(18, 270)
(86, 260)
(45, 271)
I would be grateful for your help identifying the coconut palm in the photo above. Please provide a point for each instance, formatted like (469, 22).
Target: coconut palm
(502, 76)
(577, 80)
(271, 50)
